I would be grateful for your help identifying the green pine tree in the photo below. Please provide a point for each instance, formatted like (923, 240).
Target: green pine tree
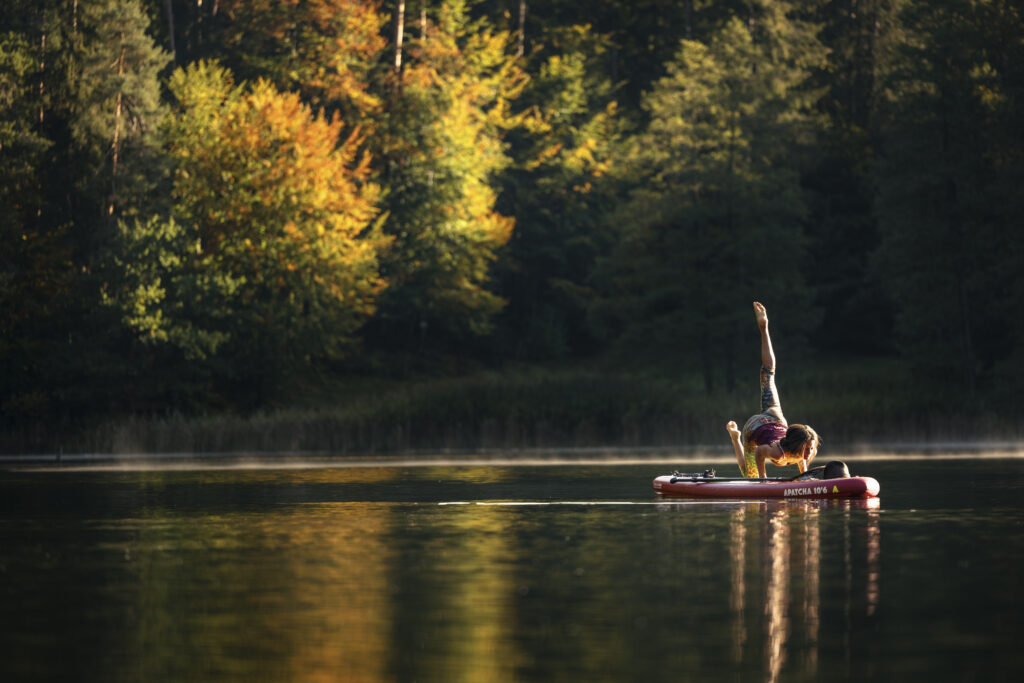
(948, 174)
(717, 217)
(558, 194)
(65, 350)
(33, 265)
(843, 228)
(117, 109)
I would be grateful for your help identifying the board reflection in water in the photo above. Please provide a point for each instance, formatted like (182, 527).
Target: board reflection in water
(793, 564)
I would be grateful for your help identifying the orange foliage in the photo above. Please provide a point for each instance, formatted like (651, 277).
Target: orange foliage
(324, 49)
(275, 193)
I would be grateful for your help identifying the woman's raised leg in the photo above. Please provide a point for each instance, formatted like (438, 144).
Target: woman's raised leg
(767, 353)
(770, 402)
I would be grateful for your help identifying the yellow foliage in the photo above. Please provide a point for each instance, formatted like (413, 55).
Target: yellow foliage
(275, 191)
(335, 45)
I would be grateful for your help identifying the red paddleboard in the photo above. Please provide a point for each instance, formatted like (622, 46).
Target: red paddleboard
(698, 486)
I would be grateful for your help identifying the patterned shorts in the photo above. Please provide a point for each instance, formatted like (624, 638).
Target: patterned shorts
(771, 411)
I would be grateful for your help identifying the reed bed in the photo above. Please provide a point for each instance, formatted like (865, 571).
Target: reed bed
(533, 408)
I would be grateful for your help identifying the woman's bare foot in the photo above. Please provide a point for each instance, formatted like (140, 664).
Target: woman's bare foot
(760, 315)
(733, 430)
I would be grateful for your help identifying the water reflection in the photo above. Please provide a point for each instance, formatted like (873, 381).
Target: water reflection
(737, 604)
(777, 591)
(786, 541)
(468, 574)
(454, 597)
(308, 609)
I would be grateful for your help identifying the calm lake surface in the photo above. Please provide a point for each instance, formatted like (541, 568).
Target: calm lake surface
(507, 573)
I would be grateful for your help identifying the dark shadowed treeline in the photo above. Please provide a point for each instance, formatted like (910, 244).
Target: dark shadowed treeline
(206, 206)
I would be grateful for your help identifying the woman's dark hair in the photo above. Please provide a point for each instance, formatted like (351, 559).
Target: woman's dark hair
(796, 437)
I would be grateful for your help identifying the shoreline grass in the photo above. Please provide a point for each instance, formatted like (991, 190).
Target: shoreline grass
(516, 409)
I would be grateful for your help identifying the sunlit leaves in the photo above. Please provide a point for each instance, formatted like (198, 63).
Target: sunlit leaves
(327, 50)
(277, 208)
(442, 145)
(167, 295)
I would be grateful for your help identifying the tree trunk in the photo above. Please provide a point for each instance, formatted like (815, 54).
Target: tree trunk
(116, 146)
(399, 36)
(522, 29)
(42, 79)
(169, 9)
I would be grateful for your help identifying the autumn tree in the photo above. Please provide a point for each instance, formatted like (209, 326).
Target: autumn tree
(271, 256)
(326, 50)
(439, 147)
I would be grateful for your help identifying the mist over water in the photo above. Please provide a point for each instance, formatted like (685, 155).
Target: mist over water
(481, 570)
(694, 458)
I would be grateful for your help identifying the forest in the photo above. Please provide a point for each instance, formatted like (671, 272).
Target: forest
(373, 224)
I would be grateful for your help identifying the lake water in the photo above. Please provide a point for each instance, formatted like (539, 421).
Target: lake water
(490, 572)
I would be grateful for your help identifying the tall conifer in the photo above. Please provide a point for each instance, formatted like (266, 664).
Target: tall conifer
(117, 102)
(558, 193)
(948, 172)
(717, 219)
